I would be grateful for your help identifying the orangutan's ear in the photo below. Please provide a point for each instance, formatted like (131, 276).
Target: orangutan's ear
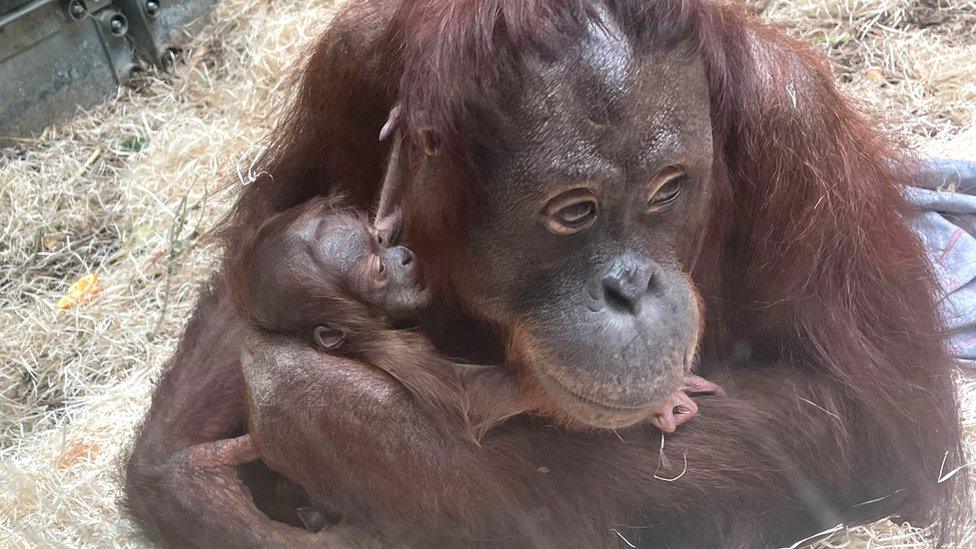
(328, 338)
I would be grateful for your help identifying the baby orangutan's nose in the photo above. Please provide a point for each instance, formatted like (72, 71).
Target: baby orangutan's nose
(400, 255)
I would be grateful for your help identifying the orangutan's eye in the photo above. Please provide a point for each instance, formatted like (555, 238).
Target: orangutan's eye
(667, 186)
(571, 211)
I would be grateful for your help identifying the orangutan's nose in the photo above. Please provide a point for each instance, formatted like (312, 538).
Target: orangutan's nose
(626, 283)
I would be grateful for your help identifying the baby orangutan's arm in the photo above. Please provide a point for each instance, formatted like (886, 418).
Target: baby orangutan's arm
(492, 394)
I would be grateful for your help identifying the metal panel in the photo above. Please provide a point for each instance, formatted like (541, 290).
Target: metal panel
(157, 25)
(57, 56)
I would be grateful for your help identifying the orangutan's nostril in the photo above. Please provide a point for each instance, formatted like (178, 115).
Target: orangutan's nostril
(652, 284)
(616, 300)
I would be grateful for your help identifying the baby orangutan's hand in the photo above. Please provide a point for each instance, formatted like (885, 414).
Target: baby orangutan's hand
(678, 407)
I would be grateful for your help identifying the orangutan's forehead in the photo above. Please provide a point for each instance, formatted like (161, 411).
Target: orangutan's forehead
(603, 73)
(606, 107)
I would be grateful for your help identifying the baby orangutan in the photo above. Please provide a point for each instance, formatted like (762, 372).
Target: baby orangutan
(323, 274)
(319, 273)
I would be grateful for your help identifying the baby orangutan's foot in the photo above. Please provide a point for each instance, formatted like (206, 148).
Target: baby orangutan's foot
(678, 407)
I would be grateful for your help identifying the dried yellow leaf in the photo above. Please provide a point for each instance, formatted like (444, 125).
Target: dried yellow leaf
(51, 242)
(876, 77)
(84, 290)
(79, 451)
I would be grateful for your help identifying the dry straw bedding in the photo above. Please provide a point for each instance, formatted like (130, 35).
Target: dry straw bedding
(129, 190)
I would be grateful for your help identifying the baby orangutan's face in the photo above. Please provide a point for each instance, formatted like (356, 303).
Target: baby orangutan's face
(387, 277)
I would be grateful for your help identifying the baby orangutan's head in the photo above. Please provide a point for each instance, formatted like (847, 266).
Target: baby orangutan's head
(322, 272)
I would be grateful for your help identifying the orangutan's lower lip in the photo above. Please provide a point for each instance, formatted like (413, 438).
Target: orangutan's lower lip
(603, 406)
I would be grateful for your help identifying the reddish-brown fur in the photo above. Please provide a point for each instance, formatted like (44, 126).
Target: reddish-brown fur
(298, 295)
(322, 296)
(848, 397)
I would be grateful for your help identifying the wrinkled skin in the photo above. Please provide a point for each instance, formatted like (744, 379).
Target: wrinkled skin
(318, 254)
(328, 260)
(386, 277)
(604, 314)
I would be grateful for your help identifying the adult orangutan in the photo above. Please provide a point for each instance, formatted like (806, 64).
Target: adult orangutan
(593, 187)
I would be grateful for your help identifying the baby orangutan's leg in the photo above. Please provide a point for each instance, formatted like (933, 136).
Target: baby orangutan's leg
(678, 407)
